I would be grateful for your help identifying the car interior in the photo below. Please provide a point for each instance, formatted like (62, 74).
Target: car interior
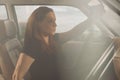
(87, 56)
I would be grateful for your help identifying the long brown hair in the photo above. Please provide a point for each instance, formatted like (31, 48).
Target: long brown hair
(32, 31)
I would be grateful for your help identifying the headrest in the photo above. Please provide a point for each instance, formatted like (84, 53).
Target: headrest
(11, 29)
(2, 31)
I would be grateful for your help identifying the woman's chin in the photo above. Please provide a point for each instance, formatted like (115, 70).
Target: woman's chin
(52, 34)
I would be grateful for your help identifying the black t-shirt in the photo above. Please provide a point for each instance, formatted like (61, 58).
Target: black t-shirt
(45, 65)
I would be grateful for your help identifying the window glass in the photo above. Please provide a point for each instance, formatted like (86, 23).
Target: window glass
(3, 13)
(112, 19)
(66, 17)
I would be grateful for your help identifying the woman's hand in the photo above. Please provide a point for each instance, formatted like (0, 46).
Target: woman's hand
(16, 76)
(117, 42)
(116, 62)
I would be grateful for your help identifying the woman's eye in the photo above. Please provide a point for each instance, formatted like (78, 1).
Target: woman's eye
(50, 21)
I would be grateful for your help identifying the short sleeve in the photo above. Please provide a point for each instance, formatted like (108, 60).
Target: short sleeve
(31, 49)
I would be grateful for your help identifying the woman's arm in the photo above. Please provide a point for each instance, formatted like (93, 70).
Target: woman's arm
(22, 66)
(117, 42)
(116, 62)
(94, 14)
(116, 59)
(63, 37)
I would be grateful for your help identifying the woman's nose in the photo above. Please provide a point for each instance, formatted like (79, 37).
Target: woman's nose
(54, 24)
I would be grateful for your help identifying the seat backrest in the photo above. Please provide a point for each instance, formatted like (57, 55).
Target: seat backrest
(13, 45)
(5, 61)
(10, 49)
(2, 32)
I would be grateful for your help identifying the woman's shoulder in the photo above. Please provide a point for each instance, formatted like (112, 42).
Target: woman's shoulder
(56, 36)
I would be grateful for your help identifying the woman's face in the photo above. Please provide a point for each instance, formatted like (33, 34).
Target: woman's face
(48, 25)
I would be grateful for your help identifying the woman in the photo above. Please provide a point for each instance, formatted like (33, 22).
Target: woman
(41, 46)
